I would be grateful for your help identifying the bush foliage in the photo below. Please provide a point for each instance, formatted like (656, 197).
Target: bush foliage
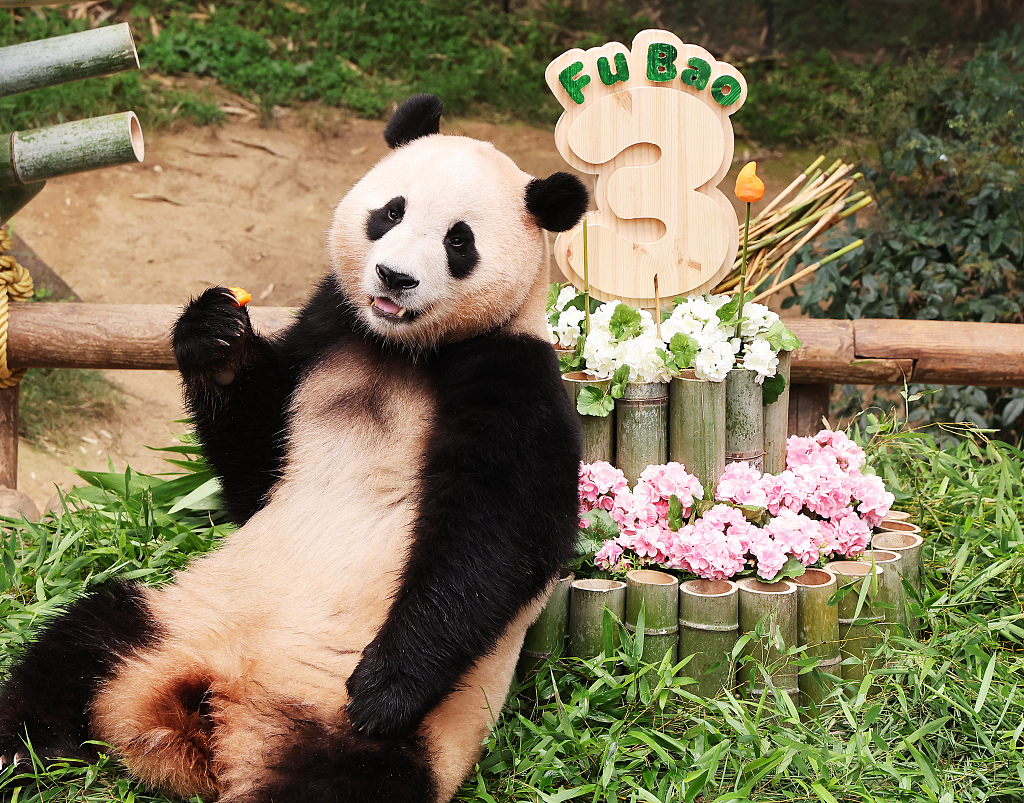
(948, 240)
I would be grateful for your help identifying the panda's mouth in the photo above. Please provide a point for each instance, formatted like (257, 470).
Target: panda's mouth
(384, 307)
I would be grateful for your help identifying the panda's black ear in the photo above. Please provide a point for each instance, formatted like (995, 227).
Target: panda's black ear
(419, 116)
(558, 201)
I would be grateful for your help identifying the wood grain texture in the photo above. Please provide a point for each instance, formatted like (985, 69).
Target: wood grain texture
(9, 436)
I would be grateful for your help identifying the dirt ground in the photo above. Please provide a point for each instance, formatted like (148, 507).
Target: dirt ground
(236, 205)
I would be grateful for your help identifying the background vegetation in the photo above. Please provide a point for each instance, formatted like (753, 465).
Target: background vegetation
(943, 722)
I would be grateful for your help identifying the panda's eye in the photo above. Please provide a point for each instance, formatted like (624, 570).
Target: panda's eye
(394, 214)
(456, 242)
(380, 221)
(461, 248)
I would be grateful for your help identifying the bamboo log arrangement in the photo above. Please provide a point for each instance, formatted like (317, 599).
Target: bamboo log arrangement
(817, 625)
(890, 601)
(62, 59)
(696, 427)
(546, 636)
(773, 607)
(776, 421)
(911, 565)
(598, 432)
(656, 594)
(858, 620)
(744, 419)
(587, 605)
(708, 629)
(641, 428)
(822, 199)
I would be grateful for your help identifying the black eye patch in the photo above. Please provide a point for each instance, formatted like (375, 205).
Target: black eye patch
(460, 246)
(381, 221)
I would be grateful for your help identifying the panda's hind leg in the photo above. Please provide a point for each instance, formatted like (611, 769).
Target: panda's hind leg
(47, 697)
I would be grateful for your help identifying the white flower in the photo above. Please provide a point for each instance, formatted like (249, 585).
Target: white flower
(714, 361)
(568, 327)
(760, 357)
(565, 296)
(757, 319)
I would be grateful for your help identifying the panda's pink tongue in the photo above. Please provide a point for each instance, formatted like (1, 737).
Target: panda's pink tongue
(386, 305)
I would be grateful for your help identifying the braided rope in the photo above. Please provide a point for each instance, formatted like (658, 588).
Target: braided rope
(15, 284)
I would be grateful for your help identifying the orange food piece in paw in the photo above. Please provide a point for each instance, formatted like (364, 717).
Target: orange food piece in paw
(749, 187)
(242, 297)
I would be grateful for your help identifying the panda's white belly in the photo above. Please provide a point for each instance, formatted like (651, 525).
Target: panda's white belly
(292, 598)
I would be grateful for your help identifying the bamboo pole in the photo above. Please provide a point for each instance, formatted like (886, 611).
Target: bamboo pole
(657, 595)
(776, 421)
(13, 199)
(910, 546)
(708, 629)
(641, 428)
(60, 150)
(547, 635)
(773, 606)
(62, 59)
(587, 605)
(598, 432)
(9, 436)
(890, 601)
(817, 625)
(858, 629)
(744, 419)
(696, 421)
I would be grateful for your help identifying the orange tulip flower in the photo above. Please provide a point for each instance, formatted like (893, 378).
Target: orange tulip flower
(242, 297)
(749, 187)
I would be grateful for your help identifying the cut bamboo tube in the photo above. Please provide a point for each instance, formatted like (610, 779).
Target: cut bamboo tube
(890, 601)
(13, 199)
(896, 515)
(60, 150)
(641, 428)
(901, 527)
(696, 427)
(911, 566)
(62, 59)
(657, 594)
(598, 432)
(776, 421)
(547, 635)
(817, 625)
(744, 419)
(774, 605)
(586, 615)
(708, 629)
(857, 642)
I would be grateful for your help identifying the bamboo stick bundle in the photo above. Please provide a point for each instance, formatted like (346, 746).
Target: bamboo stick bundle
(804, 211)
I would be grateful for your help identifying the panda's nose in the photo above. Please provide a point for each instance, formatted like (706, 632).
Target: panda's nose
(394, 280)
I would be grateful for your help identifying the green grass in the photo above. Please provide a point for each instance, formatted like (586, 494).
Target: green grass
(57, 405)
(944, 723)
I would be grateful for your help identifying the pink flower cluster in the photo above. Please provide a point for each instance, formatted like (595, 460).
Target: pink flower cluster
(821, 505)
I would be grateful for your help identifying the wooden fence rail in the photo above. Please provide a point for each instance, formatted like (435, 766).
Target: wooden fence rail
(867, 352)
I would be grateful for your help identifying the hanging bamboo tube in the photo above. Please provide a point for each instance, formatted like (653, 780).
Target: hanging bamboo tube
(858, 629)
(776, 422)
(696, 433)
(817, 625)
(587, 605)
(641, 428)
(59, 150)
(744, 419)
(911, 566)
(774, 606)
(708, 629)
(598, 432)
(546, 636)
(62, 59)
(657, 595)
(890, 601)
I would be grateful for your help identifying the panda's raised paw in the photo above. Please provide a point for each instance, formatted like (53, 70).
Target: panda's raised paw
(211, 337)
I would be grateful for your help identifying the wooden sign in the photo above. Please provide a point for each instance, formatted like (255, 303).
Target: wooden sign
(652, 123)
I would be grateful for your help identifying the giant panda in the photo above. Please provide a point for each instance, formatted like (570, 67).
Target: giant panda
(403, 461)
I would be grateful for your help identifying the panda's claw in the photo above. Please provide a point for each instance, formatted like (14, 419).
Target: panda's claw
(212, 336)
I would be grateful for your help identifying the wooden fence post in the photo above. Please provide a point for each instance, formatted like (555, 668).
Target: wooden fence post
(9, 436)
(808, 404)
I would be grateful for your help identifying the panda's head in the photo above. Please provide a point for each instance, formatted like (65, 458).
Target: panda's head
(443, 239)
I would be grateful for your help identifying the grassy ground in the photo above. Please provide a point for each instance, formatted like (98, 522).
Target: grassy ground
(56, 405)
(943, 722)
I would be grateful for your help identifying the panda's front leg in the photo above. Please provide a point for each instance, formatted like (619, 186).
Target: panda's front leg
(236, 388)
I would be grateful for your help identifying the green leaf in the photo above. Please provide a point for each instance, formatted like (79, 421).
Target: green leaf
(594, 401)
(619, 381)
(675, 513)
(772, 388)
(625, 322)
(791, 568)
(553, 290)
(781, 338)
(684, 349)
